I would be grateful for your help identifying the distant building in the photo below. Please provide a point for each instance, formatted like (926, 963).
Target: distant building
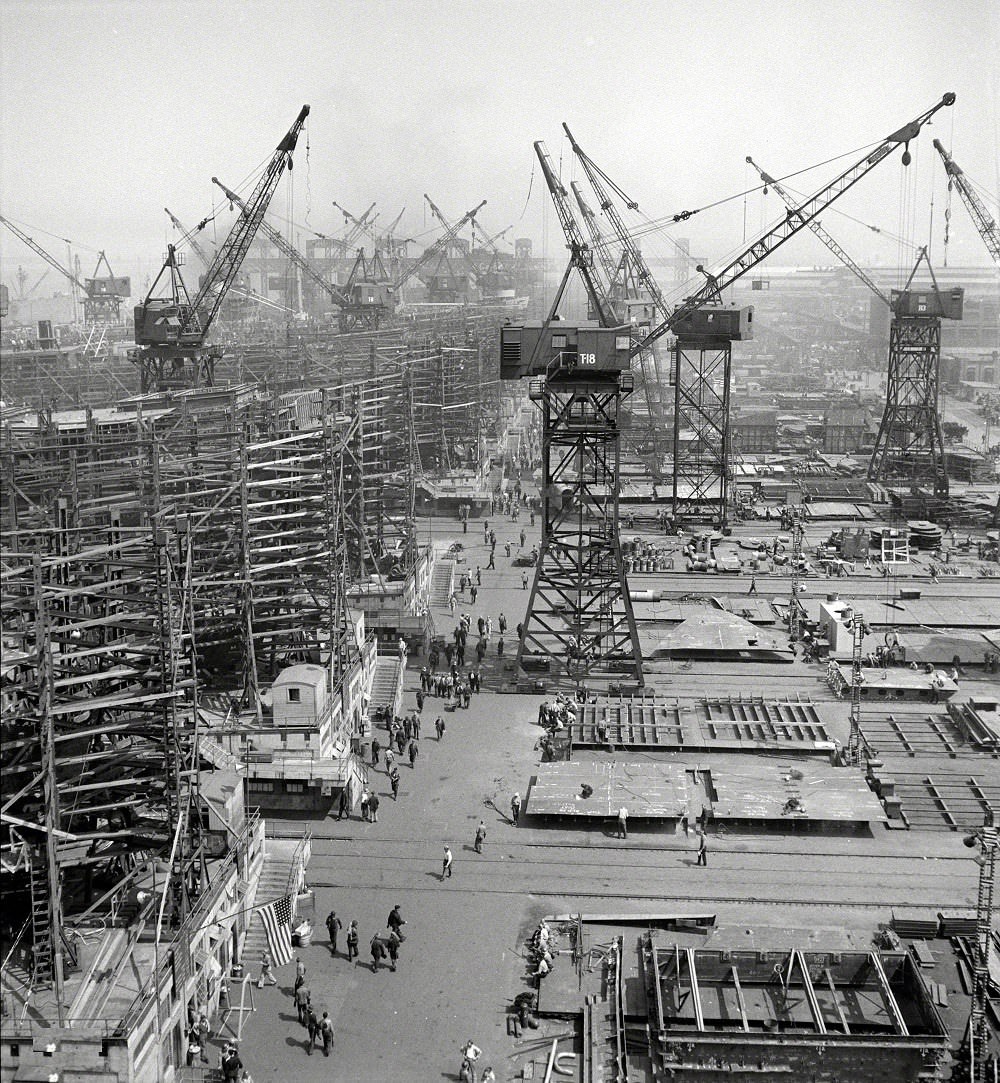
(845, 429)
(755, 431)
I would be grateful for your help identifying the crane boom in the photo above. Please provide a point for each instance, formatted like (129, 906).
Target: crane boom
(200, 252)
(288, 250)
(580, 253)
(358, 225)
(627, 241)
(820, 232)
(437, 247)
(38, 250)
(229, 258)
(793, 223)
(596, 240)
(984, 222)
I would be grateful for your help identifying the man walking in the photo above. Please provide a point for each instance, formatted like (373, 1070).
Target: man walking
(266, 977)
(344, 808)
(392, 947)
(326, 1033)
(439, 727)
(396, 921)
(378, 952)
(352, 943)
(373, 808)
(502, 624)
(376, 749)
(414, 752)
(480, 837)
(492, 564)
(312, 1023)
(524, 580)
(702, 850)
(333, 926)
(302, 999)
(515, 808)
(623, 823)
(753, 585)
(394, 782)
(446, 863)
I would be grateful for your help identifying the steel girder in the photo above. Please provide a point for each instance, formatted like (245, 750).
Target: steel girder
(909, 445)
(579, 614)
(702, 439)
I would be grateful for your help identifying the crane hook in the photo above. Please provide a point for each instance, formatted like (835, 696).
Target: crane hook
(907, 157)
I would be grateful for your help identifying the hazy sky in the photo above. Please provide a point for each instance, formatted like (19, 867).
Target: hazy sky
(112, 110)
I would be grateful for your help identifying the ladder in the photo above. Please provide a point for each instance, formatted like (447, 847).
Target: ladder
(41, 923)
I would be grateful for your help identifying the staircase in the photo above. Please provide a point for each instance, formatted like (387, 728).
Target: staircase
(279, 857)
(443, 581)
(387, 684)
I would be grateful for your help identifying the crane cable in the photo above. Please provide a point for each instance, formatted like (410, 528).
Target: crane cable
(655, 225)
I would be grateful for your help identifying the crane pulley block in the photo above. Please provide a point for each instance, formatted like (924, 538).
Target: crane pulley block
(726, 324)
(584, 349)
(932, 303)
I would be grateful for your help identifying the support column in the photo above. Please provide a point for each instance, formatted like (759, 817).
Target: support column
(909, 447)
(579, 614)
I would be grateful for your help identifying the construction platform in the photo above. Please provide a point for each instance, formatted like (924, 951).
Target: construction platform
(765, 793)
(720, 725)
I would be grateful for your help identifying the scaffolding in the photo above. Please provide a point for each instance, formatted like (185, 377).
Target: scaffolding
(100, 723)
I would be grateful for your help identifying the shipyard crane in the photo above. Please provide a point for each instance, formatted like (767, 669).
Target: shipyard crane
(172, 330)
(439, 246)
(909, 438)
(358, 225)
(792, 223)
(356, 309)
(102, 294)
(703, 350)
(580, 615)
(984, 222)
(814, 225)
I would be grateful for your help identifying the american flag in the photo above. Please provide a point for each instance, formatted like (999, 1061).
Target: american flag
(277, 918)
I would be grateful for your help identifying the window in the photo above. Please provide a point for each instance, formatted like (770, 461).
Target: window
(558, 342)
(260, 785)
(294, 695)
(623, 342)
(295, 787)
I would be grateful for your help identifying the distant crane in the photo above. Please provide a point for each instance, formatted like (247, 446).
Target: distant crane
(102, 294)
(436, 249)
(820, 232)
(702, 354)
(172, 330)
(984, 222)
(353, 313)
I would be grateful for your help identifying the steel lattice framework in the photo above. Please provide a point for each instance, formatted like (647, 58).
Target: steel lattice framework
(909, 446)
(580, 613)
(702, 435)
